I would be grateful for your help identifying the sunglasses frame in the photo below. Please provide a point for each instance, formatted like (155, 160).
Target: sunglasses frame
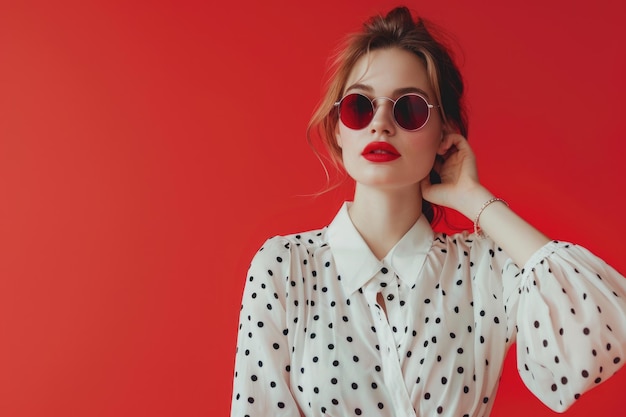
(393, 109)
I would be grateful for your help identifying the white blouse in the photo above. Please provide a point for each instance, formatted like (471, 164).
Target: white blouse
(314, 341)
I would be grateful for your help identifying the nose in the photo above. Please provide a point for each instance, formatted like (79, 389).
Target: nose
(382, 122)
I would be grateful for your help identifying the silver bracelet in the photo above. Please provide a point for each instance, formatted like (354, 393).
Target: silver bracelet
(477, 230)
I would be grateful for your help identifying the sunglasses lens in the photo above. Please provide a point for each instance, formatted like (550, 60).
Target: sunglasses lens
(356, 111)
(411, 112)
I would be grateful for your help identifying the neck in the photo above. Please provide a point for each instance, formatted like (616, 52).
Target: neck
(383, 216)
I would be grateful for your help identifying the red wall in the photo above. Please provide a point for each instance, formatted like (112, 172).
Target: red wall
(148, 148)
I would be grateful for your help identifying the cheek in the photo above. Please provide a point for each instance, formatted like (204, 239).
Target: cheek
(424, 155)
(426, 145)
(343, 135)
(346, 140)
(350, 152)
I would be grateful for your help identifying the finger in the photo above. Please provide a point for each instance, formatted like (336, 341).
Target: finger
(448, 143)
(458, 144)
(451, 151)
(454, 139)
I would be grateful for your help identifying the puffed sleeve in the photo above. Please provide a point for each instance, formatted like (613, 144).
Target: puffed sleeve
(262, 363)
(569, 311)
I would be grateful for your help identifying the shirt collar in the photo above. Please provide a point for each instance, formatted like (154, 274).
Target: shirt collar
(355, 262)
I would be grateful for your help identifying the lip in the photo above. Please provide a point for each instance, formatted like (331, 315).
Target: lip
(380, 152)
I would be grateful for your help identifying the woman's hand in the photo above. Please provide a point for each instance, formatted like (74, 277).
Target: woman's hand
(460, 188)
(461, 191)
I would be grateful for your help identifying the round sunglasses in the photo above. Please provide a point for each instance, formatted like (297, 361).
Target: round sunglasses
(410, 111)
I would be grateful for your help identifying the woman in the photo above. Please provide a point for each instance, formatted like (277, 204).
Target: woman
(376, 314)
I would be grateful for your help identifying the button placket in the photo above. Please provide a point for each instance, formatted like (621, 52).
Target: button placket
(385, 282)
(391, 298)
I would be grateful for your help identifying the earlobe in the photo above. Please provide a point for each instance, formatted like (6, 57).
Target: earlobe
(445, 142)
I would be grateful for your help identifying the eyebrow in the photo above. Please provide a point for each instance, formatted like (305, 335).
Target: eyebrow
(396, 92)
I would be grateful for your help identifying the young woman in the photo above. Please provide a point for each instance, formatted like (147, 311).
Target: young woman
(378, 315)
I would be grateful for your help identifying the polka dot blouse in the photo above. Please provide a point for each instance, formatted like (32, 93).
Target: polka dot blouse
(327, 329)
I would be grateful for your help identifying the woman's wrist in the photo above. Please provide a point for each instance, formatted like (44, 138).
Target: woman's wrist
(477, 229)
(471, 202)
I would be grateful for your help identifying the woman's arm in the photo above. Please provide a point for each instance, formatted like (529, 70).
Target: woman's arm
(461, 190)
(262, 385)
(567, 308)
(568, 313)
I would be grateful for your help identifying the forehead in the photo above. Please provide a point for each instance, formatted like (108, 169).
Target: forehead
(388, 70)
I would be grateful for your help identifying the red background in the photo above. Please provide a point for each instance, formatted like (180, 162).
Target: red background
(148, 148)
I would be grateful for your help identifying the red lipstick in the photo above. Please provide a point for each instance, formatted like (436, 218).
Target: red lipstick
(380, 152)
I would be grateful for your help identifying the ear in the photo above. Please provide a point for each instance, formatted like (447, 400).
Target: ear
(444, 143)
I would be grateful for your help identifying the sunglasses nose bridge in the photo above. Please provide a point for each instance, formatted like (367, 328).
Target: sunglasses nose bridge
(386, 113)
(376, 106)
(374, 100)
